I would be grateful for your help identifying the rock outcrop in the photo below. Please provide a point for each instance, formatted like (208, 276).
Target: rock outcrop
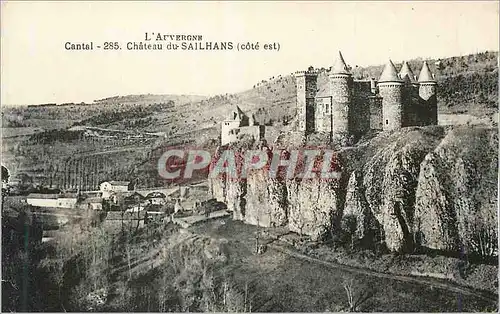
(417, 187)
(312, 205)
(390, 179)
(266, 204)
(357, 218)
(456, 199)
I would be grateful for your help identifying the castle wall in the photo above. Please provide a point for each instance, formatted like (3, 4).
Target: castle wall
(407, 110)
(323, 114)
(412, 110)
(310, 116)
(428, 101)
(376, 113)
(227, 136)
(360, 107)
(392, 103)
(256, 131)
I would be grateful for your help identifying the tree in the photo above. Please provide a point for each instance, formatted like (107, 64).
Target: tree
(355, 299)
(5, 175)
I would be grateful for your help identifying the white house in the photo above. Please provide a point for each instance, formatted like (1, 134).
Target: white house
(52, 200)
(108, 187)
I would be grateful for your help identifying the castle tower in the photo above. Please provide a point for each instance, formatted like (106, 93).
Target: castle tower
(427, 93)
(391, 91)
(407, 74)
(341, 85)
(410, 93)
(306, 92)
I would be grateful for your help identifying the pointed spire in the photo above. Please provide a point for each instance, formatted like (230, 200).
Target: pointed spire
(339, 66)
(406, 72)
(237, 115)
(425, 74)
(240, 112)
(390, 74)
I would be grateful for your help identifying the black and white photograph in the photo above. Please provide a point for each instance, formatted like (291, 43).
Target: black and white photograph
(249, 156)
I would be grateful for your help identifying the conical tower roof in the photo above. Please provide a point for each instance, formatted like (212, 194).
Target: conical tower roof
(237, 114)
(406, 71)
(390, 74)
(339, 67)
(425, 74)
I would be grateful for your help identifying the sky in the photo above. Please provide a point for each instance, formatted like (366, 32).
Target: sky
(36, 68)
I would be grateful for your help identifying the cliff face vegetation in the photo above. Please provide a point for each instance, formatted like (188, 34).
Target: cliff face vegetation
(429, 188)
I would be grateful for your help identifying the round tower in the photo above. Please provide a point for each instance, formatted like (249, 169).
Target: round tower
(341, 90)
(391, 91)
(427, 93)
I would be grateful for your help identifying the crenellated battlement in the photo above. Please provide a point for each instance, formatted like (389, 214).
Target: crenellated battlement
(308, 72)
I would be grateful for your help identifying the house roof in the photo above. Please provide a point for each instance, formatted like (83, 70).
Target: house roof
(51, 196)
(119, 182)
(89, 200)
(133, 196)
(426, 74)
(340, 67)
(42, 196)
(389, 74)
(155, 195)
(406, 72)
(68, 195)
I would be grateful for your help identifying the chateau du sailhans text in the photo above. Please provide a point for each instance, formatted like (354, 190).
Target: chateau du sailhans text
(161, 41)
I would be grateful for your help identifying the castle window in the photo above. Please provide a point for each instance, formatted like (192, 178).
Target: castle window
(327, 109)
(386, 121)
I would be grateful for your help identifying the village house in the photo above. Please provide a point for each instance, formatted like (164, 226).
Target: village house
(156, 198)
(108, 187)
(93, 203)
(68, 200)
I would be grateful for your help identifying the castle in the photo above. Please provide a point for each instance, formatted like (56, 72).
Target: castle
(239, 124)
(347, 108)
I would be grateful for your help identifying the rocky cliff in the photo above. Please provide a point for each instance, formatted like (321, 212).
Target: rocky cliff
(456, 198)
(429, 187)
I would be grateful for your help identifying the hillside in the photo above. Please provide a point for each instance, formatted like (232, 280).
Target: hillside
(210, 267)
(467, 84)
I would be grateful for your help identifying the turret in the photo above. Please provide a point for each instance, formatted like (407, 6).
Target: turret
(306, 82)
(391, 90)
(406, 74)
(341, 90)
(427, 93)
